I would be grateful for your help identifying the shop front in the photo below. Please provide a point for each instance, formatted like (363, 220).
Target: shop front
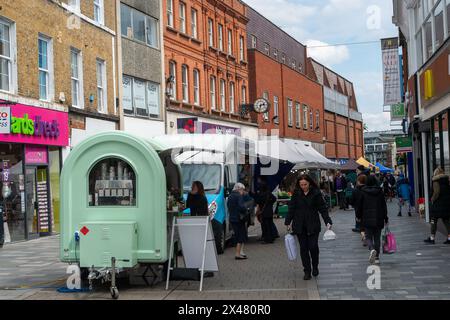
(30, 164)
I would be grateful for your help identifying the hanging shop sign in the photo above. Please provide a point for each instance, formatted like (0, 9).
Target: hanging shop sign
(391, 71)
(32, 125)
(404, 144)
(398, 111)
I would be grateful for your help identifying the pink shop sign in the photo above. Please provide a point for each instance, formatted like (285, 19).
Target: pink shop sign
(34, 125)
(36, 155)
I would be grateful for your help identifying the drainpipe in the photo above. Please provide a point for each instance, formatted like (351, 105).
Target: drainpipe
(119, 67)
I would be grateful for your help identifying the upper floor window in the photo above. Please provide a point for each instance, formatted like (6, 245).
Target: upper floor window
(185, 83)
(99, 11)
(230, 42)
(77, 78)
(210, 33)
(297, 115)
(254, 42)
(75, 5)
(311, 120)
(169, 13)
(283, 58)
(182, 17)
(194, 32)
(141, 98)
(293, 63)
(212, 92)
(266, 114)
(267, 48)
(222, 95)
(317, 121)
(173, 74)
(220, 30)
(231, 94)
(244, 95)
(305, 117)
(275, 110)
(138, 26)
(241, 48)
(289, 103)
(7, 60)
(196, 87)
(45, 63)
(275, 54)
(101, 86)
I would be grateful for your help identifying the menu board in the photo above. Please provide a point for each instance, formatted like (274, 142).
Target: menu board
(42, 198)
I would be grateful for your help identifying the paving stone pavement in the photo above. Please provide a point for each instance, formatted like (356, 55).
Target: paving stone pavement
(31, 270)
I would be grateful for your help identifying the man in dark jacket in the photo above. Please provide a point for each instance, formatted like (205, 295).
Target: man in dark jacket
(304, 208)
(372, 212)
(340, 184)
(265, 201)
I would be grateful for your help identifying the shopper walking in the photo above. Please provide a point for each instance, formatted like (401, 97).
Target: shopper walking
(372, 211)
(265, 203)
(303, 220)
(440, 204)
(238, 215)
(340, 184)
(356, 197)
(196, 200)
(404, 195)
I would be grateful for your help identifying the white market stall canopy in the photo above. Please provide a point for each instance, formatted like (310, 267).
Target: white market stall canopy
(299, 153)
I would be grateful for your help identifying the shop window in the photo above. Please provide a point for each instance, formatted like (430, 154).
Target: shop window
(445, 142)
(112, 182)
(55, 172)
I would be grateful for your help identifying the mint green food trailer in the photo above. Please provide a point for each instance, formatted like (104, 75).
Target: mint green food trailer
(114, 214)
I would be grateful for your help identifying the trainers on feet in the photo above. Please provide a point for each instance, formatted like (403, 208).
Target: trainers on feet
(307, 277)
(315, 272)
(429, 241)
(372, 256)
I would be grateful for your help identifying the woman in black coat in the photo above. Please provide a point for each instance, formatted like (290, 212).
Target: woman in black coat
(372, 212)
(197, 201)
(304, 208)
(440, 204)
(265, 201)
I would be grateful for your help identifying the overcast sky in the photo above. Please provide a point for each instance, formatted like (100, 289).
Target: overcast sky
(321, 22)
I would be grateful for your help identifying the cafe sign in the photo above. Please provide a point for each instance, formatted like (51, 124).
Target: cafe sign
(403, 144)
(32, 125)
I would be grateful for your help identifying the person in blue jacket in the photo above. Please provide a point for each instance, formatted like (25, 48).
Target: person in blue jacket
(404, 194)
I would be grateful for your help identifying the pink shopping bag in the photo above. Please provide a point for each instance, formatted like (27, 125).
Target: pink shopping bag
(389, 243)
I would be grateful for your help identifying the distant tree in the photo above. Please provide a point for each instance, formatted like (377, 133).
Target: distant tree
(366, 128)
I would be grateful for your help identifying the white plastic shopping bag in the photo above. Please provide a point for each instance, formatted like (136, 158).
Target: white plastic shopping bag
(329, 235)
(291, 247)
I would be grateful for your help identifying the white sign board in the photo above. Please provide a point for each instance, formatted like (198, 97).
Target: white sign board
(192, 236)
(5, 120)
(391, 71)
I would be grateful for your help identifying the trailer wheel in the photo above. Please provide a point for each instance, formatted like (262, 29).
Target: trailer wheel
(114, 293)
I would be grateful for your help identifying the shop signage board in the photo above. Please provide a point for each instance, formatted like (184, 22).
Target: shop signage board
(398, 111)
(193, 125)
(5, 120)
(391, 71)
(404, 144)
(36, 155)
(33, 125)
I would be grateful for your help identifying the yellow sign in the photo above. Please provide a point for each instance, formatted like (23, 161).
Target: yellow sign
(428, 85)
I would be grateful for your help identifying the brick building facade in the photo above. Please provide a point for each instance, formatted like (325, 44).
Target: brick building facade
(206, 57)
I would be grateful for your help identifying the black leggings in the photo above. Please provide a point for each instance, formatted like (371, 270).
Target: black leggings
(373, 238)
(434, 223)
(309, 251)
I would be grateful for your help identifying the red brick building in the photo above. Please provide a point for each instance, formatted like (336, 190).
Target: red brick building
(343, 126)
(206, 55)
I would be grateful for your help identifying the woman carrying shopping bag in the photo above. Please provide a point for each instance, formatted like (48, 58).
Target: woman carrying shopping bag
(303, 220)
(372, 212)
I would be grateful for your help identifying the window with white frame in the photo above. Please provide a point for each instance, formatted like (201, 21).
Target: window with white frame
(222, 95)
(230, 42)
(283, 58)
(7, 60)
(138, 26)
(266, 114)
(311, 120)
(305, 117)
(297, 115)
(194, 32)
(212, 92)
(141, 98)
(173, 74)
(182, 17)
(169, 9)
(275, 54)
(76, 77)
(185, 83)
(210, 33)
(254, 41)
(243, 94)
(196, 78)
(241, 48)
(289, 103)
(220, 30)
(293, 63)
(99, 11)
(267, 48)
(45, 64)
(75, 5)
(432, 27)
(101, 86)
(275, 110)
(231, 93)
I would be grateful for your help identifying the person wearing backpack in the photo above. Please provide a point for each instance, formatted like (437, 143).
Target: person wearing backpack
(303, 220)
(440, 204)
(373, 214)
